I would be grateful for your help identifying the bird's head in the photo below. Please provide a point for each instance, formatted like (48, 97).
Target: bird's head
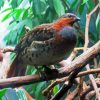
(64, 25)
(67, 19)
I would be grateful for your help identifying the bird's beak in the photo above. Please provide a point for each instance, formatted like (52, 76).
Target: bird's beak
(77, 19)
(76, 22)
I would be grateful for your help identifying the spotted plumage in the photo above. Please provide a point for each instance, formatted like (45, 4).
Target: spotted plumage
(47, 44)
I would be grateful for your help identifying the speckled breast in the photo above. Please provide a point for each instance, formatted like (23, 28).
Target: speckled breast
(46, 53)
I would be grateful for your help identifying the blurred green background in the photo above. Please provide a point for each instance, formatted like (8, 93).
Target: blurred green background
(18, 14)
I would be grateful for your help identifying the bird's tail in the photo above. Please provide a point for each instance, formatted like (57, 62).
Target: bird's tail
(16, 69)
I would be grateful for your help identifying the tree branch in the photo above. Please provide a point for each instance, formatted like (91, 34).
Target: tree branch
(90, 95)
(85, 48)
(78, 62)
(90, 88)
(58, 81)
(67, 85)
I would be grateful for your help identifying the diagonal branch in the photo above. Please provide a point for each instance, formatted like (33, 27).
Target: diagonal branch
(78, 62)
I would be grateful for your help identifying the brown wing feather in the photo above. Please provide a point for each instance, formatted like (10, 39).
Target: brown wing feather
(40, 33)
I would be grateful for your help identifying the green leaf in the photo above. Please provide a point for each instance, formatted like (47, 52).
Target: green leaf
(25, 13)
(2, 93)
(35, 22)
(12, 56)
(98, 24)
(30, 70)
(98, 20)
(23, 3)
(8, 9)
(73, 4)
(7, 16)
(84, 1)
(38, 7)
(81, 9)
(28, 22)
(91, 5)
(19, 1)
(56, 89)
(8, 38)
(39, 89)
(1, 3)
(11, 26)
(18, 25)
(58, 7)
(50, 3)
(13, 3)
(17, 13)
(21, 94)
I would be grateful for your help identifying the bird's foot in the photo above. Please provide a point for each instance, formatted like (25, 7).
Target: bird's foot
(49, 70)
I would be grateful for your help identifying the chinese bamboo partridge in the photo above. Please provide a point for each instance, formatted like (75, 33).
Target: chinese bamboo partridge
(46, 44)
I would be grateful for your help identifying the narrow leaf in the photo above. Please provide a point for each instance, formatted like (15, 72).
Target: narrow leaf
(59, 8)
(84, 1)
(2, 93)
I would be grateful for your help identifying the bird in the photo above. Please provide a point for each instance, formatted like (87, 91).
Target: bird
(46, 44)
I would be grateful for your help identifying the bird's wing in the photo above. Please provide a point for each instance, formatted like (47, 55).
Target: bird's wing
(41, 33)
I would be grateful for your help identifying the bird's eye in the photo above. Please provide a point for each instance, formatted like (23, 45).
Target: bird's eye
(70, 16)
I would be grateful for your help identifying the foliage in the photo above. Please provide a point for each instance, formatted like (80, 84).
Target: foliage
(2, 93)
(21, 94)
(31, 13)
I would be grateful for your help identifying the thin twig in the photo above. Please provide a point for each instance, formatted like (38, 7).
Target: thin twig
(87, 26)
(90, 95)
(95, 63)
(90, 87)
(91, 71)
(57, 81)
(8, 49)
(72, 95)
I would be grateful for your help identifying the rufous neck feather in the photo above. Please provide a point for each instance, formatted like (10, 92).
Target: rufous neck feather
(61, 23)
